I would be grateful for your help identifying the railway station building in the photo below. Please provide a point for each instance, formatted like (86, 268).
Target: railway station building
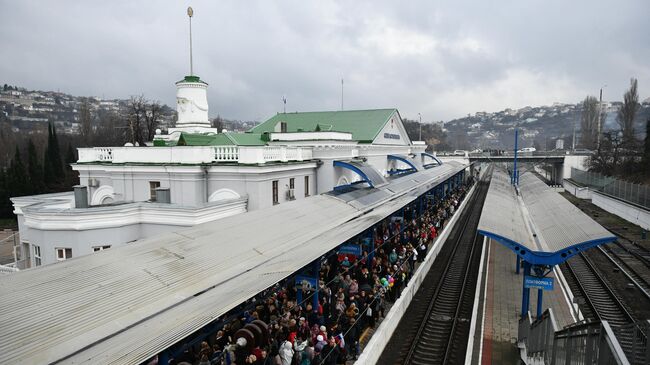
(196, 174)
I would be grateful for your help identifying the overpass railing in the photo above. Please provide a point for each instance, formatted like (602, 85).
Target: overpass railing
(582, 343)
(638, 194)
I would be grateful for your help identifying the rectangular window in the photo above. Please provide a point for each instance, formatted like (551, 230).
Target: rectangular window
(63, 253)
(152, 190)
(306, 185)
(101, 248)
(275, 192)
(37, 255)
(292, 183)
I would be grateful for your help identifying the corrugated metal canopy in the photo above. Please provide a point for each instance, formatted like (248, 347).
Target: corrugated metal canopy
(124, 305)
(538, 224)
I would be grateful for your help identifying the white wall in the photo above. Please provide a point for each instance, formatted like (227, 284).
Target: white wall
(581, 192)
(578, 162)
(631, 213)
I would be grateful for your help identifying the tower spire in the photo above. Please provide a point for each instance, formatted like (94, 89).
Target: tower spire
(190, 13)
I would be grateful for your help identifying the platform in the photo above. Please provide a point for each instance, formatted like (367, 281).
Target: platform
(495, 337)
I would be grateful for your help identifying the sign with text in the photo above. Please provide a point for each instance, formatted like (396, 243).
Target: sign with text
(350, 250)
(535, 282)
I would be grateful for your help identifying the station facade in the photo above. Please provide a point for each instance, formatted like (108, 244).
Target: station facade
(196, 174)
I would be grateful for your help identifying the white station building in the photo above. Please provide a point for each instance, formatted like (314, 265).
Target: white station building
(195, 175)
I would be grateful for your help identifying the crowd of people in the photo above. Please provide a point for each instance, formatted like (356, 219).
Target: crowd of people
(354, 294)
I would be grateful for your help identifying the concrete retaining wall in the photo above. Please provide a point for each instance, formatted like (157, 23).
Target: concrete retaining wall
(630, 212)
(382, 335)
(582, 192)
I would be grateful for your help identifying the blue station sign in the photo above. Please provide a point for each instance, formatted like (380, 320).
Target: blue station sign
(350, 250)
(535, 282)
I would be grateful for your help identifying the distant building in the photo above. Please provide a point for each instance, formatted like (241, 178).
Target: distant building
(559, 144)
(195, 175)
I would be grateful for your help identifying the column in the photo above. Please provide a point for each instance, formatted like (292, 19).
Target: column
(525, 298)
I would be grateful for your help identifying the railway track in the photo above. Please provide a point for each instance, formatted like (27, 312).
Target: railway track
(436, 326)
(601, 302)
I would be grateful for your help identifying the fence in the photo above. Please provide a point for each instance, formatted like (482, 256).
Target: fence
(581, 343)
(634, 193)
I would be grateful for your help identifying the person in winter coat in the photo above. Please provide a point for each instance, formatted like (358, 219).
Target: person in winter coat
(286, 353)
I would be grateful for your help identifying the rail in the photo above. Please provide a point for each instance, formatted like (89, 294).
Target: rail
(445, 301)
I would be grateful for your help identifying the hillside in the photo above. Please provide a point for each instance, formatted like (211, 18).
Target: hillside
(538, 126)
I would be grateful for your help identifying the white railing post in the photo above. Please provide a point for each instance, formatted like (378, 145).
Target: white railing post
(283, 154)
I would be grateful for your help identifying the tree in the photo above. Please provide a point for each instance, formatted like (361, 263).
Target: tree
(589, 122)
(71, 177)
(628, 111)
(53, 173)
(153, 111)
(217, 123)
(5, 88)
(136, 110)
(34, 169)
(646, 148)
(85, 119)
(17, 177)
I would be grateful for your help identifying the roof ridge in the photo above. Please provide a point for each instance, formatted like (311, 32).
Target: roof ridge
(337, 111)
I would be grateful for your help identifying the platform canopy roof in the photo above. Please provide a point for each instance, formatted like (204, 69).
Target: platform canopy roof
(536, 222)
(126, 304)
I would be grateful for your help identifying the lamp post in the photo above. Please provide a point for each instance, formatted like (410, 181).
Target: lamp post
(600, 113)
(420, 116)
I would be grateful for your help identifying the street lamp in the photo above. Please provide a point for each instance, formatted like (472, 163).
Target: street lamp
(420, 116)
(600, 113)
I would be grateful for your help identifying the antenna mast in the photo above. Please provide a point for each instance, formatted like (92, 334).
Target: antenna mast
(190, 13)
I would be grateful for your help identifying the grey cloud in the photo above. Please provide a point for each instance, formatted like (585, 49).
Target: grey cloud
(443, 59)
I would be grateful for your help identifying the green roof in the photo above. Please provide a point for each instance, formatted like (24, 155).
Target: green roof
(221, 139)
(192, 78)
(363, 124)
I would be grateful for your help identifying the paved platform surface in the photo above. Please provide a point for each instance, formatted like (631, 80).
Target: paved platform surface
(500, 308)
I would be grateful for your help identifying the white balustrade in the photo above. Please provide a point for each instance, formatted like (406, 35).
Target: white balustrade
(226, 154)
(198, 154)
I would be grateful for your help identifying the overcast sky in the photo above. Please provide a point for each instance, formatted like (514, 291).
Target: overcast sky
(443, 59)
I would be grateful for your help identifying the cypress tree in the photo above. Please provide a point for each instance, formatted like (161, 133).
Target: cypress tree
(70, 175)
(5, 203)
(48, 167)
(57, 161)
(17, 176)
(34, 170)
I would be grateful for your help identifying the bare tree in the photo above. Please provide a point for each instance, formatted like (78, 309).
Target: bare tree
(589, 122)
(153, 111)
(85, 120)
(609, 155)
(136, 111)
(628, 111)
(218, 123)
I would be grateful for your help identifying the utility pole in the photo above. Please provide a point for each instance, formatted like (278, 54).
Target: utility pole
(284, 101)
(574, 135)
(190, 13)
(600, 113)
(420, 116)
